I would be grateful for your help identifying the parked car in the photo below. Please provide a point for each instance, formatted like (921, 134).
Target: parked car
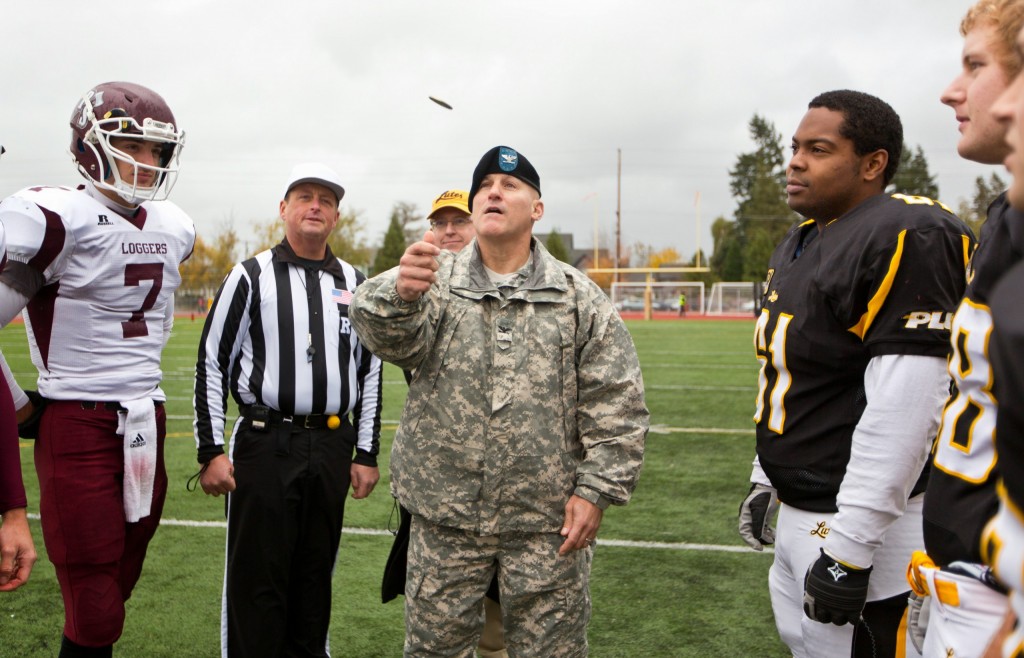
(630, 304)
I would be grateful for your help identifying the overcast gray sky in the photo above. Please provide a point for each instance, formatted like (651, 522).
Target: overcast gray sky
(260, 86)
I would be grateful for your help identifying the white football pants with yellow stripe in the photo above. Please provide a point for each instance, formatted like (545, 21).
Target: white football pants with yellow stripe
(964, 613)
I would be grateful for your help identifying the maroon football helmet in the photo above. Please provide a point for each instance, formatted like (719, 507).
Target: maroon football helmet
(123, 109)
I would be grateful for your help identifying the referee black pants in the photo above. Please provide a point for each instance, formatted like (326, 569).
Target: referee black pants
(284, 526)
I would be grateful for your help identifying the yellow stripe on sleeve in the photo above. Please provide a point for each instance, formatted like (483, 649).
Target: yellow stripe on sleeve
(876, 302)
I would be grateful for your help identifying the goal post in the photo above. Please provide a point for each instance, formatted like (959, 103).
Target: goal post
(664, 295)
(733, 298)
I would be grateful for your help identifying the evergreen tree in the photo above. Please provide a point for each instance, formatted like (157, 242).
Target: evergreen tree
(394, 246)
(767, 160)
(913, 178)
(764, 217)
(707, 278)
(985, 192)
(407, 218)
(726, 259)
(758, 183)
(556, 247)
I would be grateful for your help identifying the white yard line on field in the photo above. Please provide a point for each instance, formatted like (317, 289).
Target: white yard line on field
(617, 543)
(664, 429)
(691, 387)
(655, 429)
(752, 367)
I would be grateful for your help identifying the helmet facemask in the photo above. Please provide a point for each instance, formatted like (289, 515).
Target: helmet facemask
(117, 124)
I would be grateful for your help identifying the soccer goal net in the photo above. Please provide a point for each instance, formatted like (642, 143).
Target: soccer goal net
(733, 298)
(664, 295)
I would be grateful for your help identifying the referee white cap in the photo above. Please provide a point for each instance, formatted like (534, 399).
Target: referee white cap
(315, 172)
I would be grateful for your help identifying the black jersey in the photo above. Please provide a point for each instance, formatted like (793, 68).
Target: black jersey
(1008, 367)
(961, 487)
(882, 279)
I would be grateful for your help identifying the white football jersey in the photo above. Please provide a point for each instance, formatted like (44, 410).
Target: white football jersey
(96, 327)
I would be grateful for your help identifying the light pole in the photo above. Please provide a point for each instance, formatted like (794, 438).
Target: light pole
(593, 195)
(618, 216)
(696, 203)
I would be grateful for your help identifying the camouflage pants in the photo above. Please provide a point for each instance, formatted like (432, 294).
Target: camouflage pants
(544, 597)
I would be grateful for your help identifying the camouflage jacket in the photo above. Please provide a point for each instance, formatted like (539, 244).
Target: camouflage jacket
(517, 403)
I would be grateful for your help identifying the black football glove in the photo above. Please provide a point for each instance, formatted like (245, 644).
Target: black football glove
(834, 592)
(756, 513)
(29, 428)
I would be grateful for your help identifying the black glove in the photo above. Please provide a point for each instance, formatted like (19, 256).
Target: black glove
(29, 428)
(834, 592)
(756, 512)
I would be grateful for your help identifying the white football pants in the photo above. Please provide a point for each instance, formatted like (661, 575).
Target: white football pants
(799, 537)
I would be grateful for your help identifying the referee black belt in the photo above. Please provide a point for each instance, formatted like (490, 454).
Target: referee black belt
(92, 405)
(309, 421)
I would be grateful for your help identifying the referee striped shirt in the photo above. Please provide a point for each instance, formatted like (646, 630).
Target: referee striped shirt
(278, 334)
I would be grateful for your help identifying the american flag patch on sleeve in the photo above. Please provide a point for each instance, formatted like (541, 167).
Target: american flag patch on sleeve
(339, 296)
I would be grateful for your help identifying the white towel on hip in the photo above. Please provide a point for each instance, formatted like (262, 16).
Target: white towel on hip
(138, 425)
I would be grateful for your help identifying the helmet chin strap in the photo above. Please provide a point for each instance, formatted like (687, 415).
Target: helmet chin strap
(132, 192)
(110, 198)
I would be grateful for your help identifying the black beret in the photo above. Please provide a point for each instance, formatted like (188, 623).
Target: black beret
(503, 160)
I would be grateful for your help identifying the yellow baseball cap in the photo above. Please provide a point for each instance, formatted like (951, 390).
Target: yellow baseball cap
(451, 199)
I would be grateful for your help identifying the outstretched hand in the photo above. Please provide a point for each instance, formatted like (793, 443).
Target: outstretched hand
(416, 268)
